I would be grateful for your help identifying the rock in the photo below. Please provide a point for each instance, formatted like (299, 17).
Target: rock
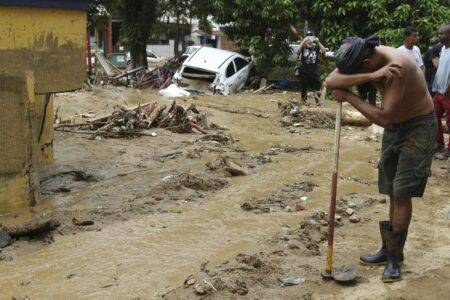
(382, 200)
(355, 219)
(338, 217)
(4, 257)
(239, 287)
(299, 206)
(202, 289)
(286, 121)
(190, 280)
(349, 211)
(351, 204)
(5, 239)
(293, 244)
(249, 260)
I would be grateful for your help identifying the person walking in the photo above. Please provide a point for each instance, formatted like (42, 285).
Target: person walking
(410, 42)
(407, 150)
(309, 51)
(441, 88)
(368, 92)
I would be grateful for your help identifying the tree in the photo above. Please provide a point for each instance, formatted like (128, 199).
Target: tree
(260, 27)
(183, 11)
(138, 16)
(333, 20)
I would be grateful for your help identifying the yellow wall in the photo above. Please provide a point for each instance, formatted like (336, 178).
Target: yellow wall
(51, 42)
(42, 51)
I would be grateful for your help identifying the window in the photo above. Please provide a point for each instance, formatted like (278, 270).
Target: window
(230, 70)
(240, 63)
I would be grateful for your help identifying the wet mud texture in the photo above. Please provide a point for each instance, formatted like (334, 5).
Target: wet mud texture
(162, 216)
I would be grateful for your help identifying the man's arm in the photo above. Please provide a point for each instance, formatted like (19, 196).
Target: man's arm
(302, 44)
(383, 116)
(337, 80)
(435, 62)
(322, 48)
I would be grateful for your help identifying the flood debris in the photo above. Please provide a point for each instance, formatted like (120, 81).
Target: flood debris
(194, 182)
(63, 182)
(77, 222)
(5, 239)
(133, 122)
(293, 115)
(160, 77)
(37, 226)
(289, 281)
(227, 164)
(286, 198)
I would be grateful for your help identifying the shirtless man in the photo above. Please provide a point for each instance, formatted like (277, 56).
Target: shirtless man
(409, 138)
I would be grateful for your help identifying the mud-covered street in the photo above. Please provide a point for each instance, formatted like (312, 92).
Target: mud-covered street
(161, 216)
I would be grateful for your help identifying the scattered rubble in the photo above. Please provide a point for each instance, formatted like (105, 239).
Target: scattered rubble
(287, 199)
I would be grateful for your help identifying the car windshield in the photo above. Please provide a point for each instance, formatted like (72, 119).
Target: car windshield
(190, 50)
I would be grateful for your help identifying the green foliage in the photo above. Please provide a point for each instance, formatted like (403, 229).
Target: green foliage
(259, 27)
(333, 20)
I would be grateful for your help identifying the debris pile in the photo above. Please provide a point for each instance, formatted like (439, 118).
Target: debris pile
(291, 115)
(289, 198)
(130, 122)
(161, 77)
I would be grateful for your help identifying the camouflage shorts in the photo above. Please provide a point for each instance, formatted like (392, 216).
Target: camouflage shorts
(406, 156)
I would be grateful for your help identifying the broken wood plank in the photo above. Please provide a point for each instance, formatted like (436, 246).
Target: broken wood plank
(349, 117)
(155, 114)
(105, 117)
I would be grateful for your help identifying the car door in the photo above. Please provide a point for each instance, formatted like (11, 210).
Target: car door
(242, 71)
(231, 78)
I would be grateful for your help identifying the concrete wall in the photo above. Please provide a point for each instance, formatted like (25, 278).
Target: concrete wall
(42, 51)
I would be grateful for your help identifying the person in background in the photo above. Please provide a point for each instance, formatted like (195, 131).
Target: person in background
(441, 88)
(431, 61)
(368, 92)
(410, 42)
(309, 51)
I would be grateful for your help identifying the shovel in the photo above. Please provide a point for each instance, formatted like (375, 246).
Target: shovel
(346, 273)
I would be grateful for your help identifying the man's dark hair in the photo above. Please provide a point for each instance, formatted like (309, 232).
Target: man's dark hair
(408, 31)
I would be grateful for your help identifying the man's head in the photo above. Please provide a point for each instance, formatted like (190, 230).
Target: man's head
(444, 34)
(410, 37)
(434, 41)
(356, 55)
(311, 39)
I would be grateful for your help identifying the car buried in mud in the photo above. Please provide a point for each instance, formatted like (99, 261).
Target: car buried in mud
(213, 71)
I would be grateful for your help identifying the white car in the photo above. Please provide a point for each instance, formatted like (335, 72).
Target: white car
(152, 57)
(191, 50)
(211, 70)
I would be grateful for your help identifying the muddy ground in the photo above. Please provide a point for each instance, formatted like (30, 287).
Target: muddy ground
(160, 216)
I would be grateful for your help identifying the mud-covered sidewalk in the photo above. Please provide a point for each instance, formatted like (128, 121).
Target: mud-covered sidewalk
(167, 216)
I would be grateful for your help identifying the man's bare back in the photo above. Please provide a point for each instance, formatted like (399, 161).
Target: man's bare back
(401, 84)
(415, 100)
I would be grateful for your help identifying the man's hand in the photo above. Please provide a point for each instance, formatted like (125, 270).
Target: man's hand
(340, 95)
(386, 73)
